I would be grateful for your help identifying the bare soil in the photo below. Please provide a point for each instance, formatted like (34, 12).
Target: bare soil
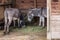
(22, 36)
(18, 35)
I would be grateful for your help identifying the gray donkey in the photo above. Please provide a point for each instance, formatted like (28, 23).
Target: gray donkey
(39, 12)
(10, 15)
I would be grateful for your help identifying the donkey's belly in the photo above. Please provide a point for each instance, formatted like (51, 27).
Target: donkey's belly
(15, 18)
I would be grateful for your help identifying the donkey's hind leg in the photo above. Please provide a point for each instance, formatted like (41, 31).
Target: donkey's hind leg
(9, 22)
(5, 25)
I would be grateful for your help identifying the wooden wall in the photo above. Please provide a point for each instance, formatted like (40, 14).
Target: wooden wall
(1, 12)
(25, 4)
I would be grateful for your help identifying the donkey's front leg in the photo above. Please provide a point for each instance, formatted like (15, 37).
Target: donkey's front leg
(40, 21)
(18, 22)
(43, 22)
(14, 22)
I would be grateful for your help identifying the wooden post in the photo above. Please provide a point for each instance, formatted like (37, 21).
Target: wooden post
(48, 19)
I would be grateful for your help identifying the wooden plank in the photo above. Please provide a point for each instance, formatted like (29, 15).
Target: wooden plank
(30, 3)
(1, 12)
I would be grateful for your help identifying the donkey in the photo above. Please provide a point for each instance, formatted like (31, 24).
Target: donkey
(10, 14)
(39, 12)
(34, 12)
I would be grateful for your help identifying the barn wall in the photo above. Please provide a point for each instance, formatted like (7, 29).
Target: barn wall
(26, 4)
(1, 12)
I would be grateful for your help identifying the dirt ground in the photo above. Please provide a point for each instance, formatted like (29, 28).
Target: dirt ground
(19, 35)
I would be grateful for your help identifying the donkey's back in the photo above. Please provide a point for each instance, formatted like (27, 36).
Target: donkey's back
(11, 12)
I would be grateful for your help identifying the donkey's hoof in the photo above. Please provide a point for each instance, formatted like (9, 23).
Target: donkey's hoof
(7, 33)
(4, 33)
